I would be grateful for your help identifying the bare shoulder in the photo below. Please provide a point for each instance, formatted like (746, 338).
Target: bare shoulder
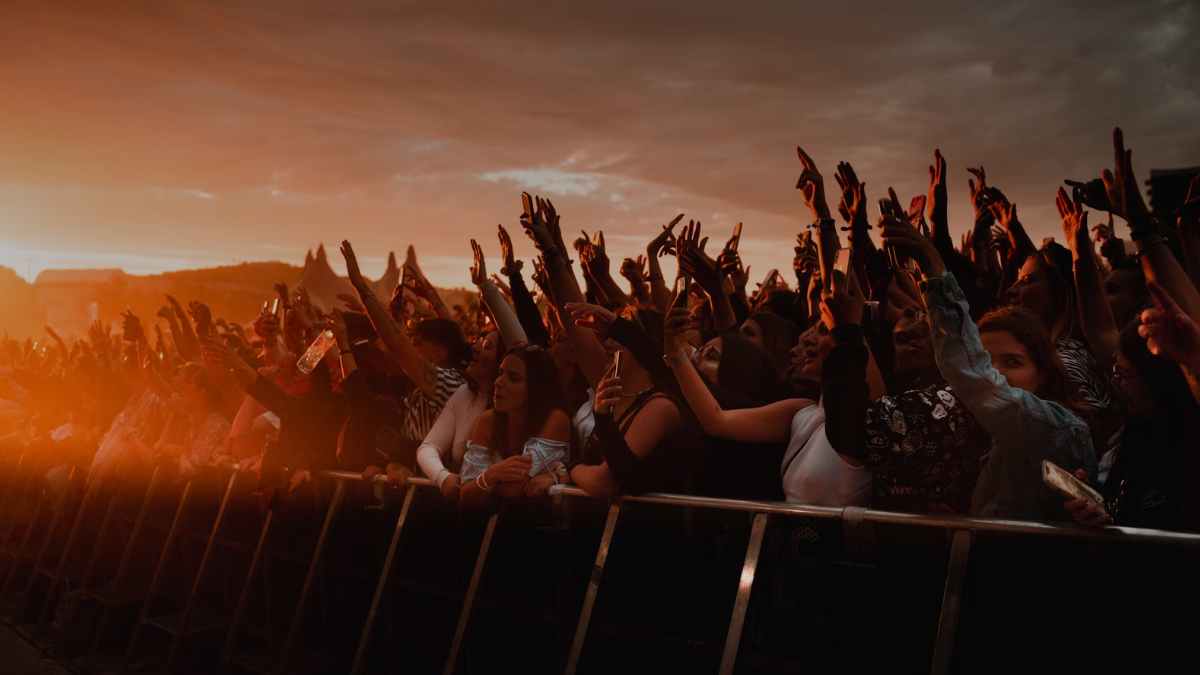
(557, 427)
(661, 408)
(481, 434)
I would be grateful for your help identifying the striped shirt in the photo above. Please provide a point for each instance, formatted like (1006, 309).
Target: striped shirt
(423, 410)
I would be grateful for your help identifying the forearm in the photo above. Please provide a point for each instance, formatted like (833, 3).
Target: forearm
(506, 319)
(471, 497)
(1189, 239)
(1096, 317)
(845, 391)
(1161, 267)
(527, 311)
(612, 290)
(595, 480)
(741, 306)
(723, 316)
(398, 343)
(660, 294)
(628, 470)
(430, 461)
(185, 339)
(588, 350)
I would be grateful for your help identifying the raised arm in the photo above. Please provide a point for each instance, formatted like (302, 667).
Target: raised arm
(1158, 262)
(812, 187)
(523, 303)
(506, 320)
(596, 261)
(181, 331)
(543, 228)
(660, 291)
(395, 338)
(1096, 317)
(757, 425)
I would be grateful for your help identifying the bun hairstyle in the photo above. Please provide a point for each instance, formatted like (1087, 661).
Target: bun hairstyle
(447, 334)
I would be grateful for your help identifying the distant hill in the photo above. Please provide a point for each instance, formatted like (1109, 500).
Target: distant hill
(68, 300)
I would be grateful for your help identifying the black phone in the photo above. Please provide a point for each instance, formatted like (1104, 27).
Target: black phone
(680, 292)
(617, 364)
(842, 260)
(888, 208)
(737, 237)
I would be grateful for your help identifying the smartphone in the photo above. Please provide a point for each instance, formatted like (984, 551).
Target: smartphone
(527, 202)
(680, 292)
(888, 208)
(769, 281)
(916, 209)
(806, 237)
(737, 236)
(597, 238)
(266, 305)
(1047, 241)
(1070, 486)
(617, 364)
(275, 308)
(842, 260)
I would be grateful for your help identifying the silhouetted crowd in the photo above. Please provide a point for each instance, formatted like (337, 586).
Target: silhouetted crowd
(896, 369)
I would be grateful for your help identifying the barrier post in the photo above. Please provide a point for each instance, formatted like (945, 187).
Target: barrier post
(236, 620)
(163, 560)
(745, 587)
(42, 551)
(122, 566)
(314, 568)
(956, 574)
(189, 605)
(384, 574)
(464, 619)
(60, 569)
(90, 568)
(589, 600)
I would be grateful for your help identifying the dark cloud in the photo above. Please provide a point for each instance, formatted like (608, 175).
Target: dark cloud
(304, 121)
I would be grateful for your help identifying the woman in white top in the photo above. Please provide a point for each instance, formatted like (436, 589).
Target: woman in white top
(515, 446)
(813, 473)
(446, 443)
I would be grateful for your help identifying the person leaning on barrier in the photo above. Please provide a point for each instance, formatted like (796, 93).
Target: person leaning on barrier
(518, 447)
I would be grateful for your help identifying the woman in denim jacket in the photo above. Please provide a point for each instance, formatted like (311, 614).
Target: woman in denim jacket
(1006, 373)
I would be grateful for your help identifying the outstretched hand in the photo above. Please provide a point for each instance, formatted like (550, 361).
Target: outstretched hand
(1120, 184)
(479, 270)
(664, 243)
(1074, 224)
(812, 186)
(1169, 332)
(903, 237)
(352, 269)
(511, 264)
(591, 316)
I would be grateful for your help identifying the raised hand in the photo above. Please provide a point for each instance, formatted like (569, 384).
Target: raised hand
(352, 270)
(511, 264)
(479, 269)
(596, 253)
(266, 325)
(352, 303)
(1169, 332)
(1121, 186)
(1074, 223)
(591, 316)
(664, 243)
(843, 304)
(675, 328)
(200, 314)
(634, 270)
(501, 285)
(218, 352)
(336, 324)
(538, 226)
(902, 236)
(978, 193)
(937, 202)
(1091, 194)
(131, 327)
(812, 186)
(165, 312)
(281, 289)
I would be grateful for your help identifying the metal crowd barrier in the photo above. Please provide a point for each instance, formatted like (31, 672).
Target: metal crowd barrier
(315, 586)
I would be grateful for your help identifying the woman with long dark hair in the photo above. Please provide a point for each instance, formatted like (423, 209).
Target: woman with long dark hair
(518, 446)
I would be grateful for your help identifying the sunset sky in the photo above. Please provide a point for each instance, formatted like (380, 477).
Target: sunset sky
(153, 136)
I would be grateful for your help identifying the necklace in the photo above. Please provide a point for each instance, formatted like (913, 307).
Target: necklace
(638, 393)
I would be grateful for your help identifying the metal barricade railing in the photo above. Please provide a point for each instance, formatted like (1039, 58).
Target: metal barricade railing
(577, 598)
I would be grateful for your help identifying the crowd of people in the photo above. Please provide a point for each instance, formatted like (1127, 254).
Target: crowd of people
(896, 371)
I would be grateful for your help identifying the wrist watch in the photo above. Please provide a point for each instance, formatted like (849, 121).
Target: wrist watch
(677, 360)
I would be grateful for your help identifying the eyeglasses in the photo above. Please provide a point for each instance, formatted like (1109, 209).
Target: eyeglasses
(1118, 377)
